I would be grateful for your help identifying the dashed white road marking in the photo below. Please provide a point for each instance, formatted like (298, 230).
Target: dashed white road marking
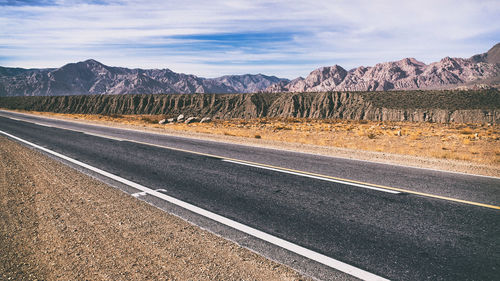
(101, 136)
(142, 193)
(17, 119)
(41, 124)
(320, 258)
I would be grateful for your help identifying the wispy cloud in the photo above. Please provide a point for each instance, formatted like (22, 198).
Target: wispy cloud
(285, 38)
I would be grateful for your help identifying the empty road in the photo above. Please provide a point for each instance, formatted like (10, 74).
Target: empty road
(396, 222)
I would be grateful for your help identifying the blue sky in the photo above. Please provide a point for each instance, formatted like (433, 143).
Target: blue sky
(219, 37)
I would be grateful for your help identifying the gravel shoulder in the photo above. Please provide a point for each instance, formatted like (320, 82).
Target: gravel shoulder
(59, 224)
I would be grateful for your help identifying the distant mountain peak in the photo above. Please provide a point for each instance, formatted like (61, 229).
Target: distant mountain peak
(412, 61)
(405, 74)
(92, 61)
(493, 54)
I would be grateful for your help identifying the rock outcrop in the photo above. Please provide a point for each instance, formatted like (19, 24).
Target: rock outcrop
(481, 106)
(405, 74)
(91, 77)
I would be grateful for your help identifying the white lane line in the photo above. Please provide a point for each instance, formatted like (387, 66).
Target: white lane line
(313, 177)
(142, 193)
(330, 262)
(84, 132)
(41, 124)
(100, 136)
(17, 119)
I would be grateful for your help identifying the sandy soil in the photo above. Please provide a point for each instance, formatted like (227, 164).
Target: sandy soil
(58, 224)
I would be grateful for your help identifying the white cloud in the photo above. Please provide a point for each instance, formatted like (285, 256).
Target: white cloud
(349, 33)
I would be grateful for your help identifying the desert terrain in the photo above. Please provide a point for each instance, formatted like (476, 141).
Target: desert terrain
(249, 140)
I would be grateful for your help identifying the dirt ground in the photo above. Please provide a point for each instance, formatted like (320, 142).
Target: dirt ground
(58, 224)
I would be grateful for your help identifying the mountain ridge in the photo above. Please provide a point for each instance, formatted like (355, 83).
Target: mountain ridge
(92, 77)
(404, 74)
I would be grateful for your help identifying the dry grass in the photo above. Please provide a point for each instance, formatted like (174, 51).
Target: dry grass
(478, 143)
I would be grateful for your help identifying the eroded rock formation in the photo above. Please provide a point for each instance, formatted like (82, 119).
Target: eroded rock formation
(481, 106)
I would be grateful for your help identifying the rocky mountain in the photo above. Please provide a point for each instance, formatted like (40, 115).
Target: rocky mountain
(93, 77)
(249, 83)
(405, 74)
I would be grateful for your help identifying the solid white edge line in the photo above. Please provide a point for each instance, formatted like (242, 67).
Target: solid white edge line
(314, 177)
(330, 262)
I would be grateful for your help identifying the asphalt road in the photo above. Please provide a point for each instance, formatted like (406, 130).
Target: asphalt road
(397, 236)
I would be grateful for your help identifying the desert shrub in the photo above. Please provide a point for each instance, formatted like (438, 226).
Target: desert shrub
(114, 115)
(281, 127)
(149, 120)
(467, 131)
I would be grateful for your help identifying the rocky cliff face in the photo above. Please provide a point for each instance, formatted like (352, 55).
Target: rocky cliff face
(406, 74)
(482, 106)
(92, 77)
